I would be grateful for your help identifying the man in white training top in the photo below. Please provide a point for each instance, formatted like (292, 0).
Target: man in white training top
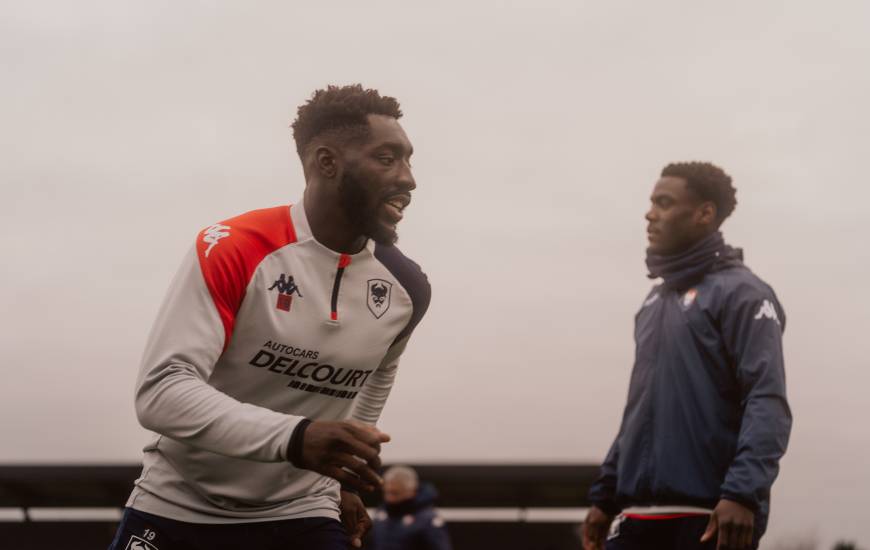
(276, 347)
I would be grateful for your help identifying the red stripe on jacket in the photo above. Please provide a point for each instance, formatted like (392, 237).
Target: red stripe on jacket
(233, 258)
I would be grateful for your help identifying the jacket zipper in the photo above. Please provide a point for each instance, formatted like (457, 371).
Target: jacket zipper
(648, 467)
(343, 262)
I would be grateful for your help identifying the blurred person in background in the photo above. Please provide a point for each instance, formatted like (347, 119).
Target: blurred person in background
(408, 519)
(276, 348)
(707, 419)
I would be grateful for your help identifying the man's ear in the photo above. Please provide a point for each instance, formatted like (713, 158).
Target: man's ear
(706, 213)
(326, 161)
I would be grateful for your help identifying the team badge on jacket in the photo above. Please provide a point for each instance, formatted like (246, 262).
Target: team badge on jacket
(379, 292)
(689, 297)
(286, 287)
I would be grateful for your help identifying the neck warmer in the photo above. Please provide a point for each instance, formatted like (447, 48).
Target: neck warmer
(684, 269)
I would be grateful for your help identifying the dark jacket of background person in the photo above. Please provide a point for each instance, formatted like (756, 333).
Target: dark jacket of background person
(410, 525)
(707, 415)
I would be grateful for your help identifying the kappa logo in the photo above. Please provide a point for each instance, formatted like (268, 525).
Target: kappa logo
(767, 310)
(136, 543)
(286, 287)
(213, 234)
(379, 292)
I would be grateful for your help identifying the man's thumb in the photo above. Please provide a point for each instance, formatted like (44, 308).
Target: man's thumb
(712, 525)
(372, 429)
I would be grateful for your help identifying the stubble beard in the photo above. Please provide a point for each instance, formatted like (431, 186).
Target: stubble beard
(361, 208)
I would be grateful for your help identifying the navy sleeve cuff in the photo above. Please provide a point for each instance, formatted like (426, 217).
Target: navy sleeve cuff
(609, 507)
(743, 501)
(294, 447)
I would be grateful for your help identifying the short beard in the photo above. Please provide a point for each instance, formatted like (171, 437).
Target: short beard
(361, 209)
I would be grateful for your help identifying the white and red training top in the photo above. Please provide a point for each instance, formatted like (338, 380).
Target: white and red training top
(264, 326)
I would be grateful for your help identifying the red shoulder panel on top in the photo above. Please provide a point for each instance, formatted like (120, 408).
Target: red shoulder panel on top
(230, 251)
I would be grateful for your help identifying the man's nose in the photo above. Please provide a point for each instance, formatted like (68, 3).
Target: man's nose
(406, 178)
(651, 215)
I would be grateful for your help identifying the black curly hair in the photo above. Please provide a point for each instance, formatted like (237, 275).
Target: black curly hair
(341, 110)
(709, 182)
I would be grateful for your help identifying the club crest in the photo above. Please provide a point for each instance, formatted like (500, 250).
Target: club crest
(379, 292)
(689, 297)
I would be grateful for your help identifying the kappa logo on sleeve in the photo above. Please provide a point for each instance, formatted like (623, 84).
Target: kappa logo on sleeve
(286, 287)
(379, 292)
(213, 234)
(767, 310)
(136, 543)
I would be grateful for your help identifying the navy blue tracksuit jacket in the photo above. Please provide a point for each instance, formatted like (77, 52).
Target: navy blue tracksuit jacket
(707, 416)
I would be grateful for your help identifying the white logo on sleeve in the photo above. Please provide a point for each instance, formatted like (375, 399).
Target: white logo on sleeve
(767, 310)
(213, 234)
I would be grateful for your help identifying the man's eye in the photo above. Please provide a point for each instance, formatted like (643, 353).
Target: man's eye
(386, 160)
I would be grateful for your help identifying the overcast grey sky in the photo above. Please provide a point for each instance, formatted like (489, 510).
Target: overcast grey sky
(539, 130)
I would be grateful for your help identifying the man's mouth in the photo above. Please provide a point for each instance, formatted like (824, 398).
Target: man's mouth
(394, 205)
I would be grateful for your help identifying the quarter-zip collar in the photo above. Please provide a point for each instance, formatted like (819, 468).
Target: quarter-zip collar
(341, 261)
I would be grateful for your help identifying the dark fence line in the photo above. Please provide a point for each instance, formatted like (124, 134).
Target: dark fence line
(461, 486)
(458, 485)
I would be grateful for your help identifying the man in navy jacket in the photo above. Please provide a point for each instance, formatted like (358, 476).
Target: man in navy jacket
(408, 519)
(707, 420)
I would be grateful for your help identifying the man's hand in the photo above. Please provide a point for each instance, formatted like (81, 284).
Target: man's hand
(595, 528)
(355, 518)
(735, 524)
(346, 451)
